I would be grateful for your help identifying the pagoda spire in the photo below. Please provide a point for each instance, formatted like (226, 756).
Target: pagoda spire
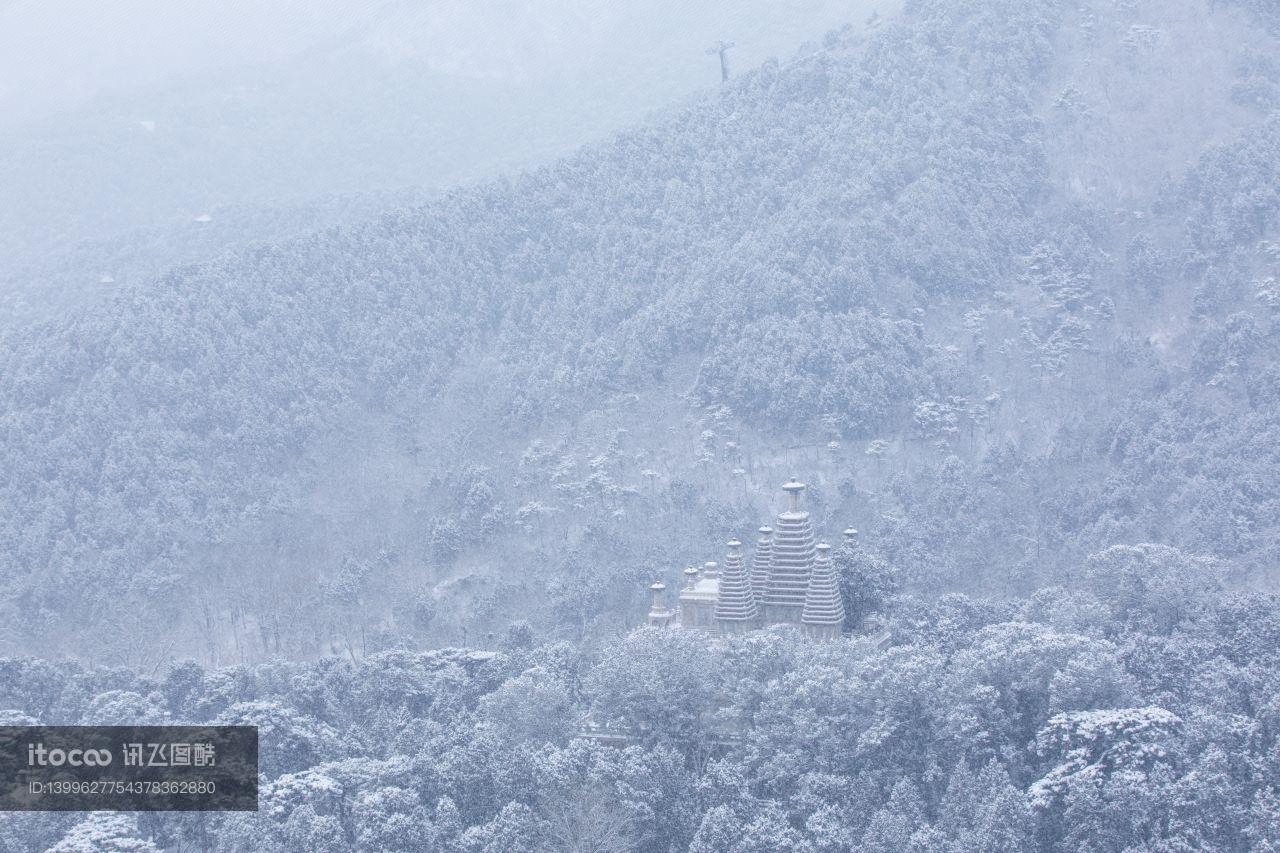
(823, 613)
(793, 488)
(735, 605)
(760, 564)
(690, 577)
(791, 560)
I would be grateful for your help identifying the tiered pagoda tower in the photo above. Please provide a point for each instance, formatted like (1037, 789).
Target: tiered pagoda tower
(736, 603)
(760, 566)
(823, 612)
(790, 562)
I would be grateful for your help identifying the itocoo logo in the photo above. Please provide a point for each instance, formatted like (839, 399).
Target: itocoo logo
(39, 756)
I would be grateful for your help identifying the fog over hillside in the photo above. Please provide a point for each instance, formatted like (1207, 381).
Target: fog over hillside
(128, 147)
(547, 446)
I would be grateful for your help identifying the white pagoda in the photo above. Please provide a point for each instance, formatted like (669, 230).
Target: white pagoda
(789, 580)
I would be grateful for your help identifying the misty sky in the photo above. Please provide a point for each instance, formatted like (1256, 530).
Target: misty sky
(59, 54)
(138, 117)
(56, 54)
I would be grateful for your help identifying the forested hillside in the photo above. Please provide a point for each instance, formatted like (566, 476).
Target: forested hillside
(1106, 717)
(125, 150)
(907, 251)
(998, 279)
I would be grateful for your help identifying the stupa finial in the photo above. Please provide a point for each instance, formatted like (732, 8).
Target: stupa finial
(793, 488)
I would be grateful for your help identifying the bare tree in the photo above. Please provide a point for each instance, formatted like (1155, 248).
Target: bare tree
(587, 820)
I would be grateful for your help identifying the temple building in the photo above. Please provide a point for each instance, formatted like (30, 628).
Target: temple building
(789, 580)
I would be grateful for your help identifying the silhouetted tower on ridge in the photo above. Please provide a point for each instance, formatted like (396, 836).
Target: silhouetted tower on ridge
(722, 48)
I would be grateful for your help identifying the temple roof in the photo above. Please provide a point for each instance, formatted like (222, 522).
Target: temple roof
(700, 587)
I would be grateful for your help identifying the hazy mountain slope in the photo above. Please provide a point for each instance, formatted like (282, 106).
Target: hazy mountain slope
(874, 246)
(76, 276)
(402, 95)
